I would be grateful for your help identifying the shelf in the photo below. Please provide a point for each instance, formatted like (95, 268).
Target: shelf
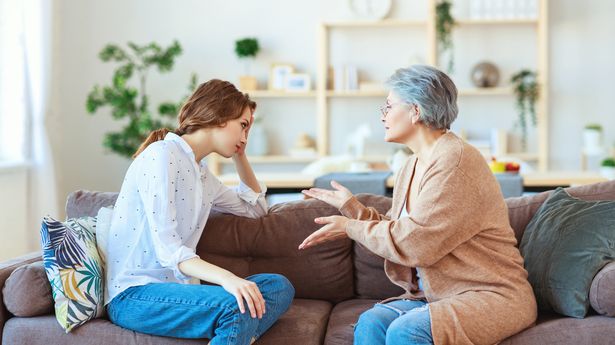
(491, 91)
(357, 93)
(281, 159)
(561, 178)
(375, 23)
(526, 156)
(488, 91)
(274, 159)
(274, 180)
(533, 179)
(280, 94)
(469, 22)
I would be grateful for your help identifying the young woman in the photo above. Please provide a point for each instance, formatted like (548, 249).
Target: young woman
(158, 219)
(446, 239)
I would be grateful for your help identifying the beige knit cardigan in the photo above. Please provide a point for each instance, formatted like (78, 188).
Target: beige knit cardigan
(458, 234)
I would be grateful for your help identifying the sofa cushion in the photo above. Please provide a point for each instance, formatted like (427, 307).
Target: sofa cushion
(340, 330)
(554, 329)
(565, 244)
(371, 281)
(269, 244)
(27, 291)
(304, 323)
(522, 209)
(369, 278)
(74, 269)
(602, 291)
(248, 246)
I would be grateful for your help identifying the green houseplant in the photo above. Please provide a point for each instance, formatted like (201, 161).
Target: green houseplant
(246, 49)
(127, 101)
(607, 168)
(525, 86)
(444, 31)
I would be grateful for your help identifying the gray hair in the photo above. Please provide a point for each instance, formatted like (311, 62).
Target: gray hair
(431, 90)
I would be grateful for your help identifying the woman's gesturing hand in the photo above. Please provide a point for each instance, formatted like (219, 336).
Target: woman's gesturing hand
(245, 290)
(336, 198)
(334, 229)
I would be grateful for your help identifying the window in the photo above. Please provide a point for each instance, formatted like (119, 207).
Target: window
(13, 105)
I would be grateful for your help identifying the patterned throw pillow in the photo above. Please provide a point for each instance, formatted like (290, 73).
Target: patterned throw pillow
(74, 269)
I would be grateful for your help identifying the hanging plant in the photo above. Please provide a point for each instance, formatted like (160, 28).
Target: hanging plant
(444, 31)
(525, 87)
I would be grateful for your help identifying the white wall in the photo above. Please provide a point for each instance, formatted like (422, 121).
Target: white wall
(15, 240)
(581, 69)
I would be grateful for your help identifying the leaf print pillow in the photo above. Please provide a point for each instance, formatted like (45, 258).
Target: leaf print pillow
(74, 269)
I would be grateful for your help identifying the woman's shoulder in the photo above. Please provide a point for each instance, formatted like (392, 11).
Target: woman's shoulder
(160, 148)
(455, 153)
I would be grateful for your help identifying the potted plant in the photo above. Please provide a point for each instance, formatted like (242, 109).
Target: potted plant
(131, 102)
(246, 49)
(592, 139)
(525, 86)
(444, 31)
(607, 168)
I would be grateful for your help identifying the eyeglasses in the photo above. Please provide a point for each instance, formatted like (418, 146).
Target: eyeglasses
(387, 107)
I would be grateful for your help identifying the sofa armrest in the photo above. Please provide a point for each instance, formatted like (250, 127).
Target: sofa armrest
(6, 268)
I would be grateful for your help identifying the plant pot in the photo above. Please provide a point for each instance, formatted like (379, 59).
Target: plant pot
(592, 141)
(247, 83)
(608, 172)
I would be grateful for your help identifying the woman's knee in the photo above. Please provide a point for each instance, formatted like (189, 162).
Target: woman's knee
(375, 319)
(275, 287)
(415, 326)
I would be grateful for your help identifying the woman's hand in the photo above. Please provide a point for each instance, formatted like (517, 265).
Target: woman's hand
(336, 198)
(245, 290)
(334, 229)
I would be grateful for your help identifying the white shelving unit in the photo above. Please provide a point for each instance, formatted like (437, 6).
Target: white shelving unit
(324, 96)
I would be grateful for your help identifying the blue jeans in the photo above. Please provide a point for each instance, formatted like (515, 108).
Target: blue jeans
(397, 322)
(199, 311)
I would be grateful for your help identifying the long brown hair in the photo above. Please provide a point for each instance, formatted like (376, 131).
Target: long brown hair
(213, 104)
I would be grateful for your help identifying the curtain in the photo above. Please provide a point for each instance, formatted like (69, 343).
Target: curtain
(25, 71)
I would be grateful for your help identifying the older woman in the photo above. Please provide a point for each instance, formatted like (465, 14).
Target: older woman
(446, 240)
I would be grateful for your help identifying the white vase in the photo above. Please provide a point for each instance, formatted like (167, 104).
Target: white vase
(257, 140)
(592, 141)
(608, 172)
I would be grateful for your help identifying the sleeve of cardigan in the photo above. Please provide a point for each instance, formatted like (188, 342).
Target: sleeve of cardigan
(445, 214)
(354, 209)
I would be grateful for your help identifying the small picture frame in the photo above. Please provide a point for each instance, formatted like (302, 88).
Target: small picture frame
(298, 82)
(278, 74)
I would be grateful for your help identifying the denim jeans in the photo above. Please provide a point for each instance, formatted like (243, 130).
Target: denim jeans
(199, 311)
(397, 322)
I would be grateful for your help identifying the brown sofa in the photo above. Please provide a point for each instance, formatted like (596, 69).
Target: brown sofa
(334, 282)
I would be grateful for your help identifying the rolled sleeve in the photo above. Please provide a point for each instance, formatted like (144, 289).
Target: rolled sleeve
(247, 194)
(241, 200)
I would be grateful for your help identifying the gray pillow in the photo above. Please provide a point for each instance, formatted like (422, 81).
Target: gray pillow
(565, 244)
(27, 291)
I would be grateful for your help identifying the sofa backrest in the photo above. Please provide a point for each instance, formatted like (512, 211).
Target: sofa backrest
(269, 244)
(522, 209)
(248, 246)
(334, 271)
